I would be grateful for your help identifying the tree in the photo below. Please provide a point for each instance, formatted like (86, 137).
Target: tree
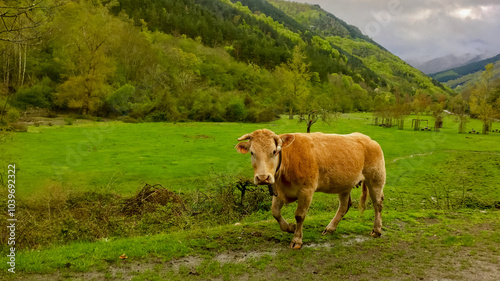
(401, 108)
(85, 50)
(24, 21)
(315, 115)
(459, 107)
(295, 76)
(420, 104)
(481, 99)
(384, 105)
(22, 25)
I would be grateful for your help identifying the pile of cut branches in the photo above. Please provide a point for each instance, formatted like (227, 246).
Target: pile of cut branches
(149, 197)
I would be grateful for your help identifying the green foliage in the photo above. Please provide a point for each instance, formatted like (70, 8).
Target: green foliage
(198, 59)
(12, 115)
(39, 95)
(69, 121)
(236, 111)
(119, 102)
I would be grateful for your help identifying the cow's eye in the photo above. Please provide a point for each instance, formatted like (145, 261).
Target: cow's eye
(274, 152)
(251, 153)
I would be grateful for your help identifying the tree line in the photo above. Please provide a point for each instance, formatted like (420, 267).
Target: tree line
(185, 60)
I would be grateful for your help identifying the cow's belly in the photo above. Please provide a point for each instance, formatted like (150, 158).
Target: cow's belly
(339, 182)
(339, 187)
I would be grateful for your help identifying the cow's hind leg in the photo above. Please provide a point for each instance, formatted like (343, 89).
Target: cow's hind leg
(276, 209)
(344, 204)
(375, 189)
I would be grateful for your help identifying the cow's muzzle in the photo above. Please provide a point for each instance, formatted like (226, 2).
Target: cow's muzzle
(261, 179)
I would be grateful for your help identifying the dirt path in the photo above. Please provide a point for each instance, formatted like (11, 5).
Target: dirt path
(350, 258)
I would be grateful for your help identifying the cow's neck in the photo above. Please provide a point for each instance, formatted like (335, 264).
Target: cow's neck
(272, 187)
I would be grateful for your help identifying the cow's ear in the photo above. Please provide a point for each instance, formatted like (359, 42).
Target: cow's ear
(245, 137)
(287, 139)
(243, 147)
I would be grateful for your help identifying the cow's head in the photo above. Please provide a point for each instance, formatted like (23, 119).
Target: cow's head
(265, 147)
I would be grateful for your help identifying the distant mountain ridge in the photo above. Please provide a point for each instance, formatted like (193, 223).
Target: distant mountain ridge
(446, 62)
(464, 70)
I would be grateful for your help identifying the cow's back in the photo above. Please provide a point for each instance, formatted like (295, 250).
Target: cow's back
(333, 161)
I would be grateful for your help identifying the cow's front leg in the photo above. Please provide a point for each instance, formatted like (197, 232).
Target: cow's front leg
(304, 201)
(276, 209)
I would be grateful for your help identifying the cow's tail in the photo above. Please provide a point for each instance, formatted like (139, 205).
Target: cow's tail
(362, 200)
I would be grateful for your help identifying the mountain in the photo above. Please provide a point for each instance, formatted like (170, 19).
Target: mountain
(390, 68)
(460, 84)
(446, 62)
(459, 75)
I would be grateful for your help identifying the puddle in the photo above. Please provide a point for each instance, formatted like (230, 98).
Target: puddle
(347, 240)
(238, 257)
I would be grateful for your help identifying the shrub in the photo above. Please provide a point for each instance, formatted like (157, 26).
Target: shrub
(18, 127)
(259, 115)
(39, 95)
(52, 114)
(69, 121)
(224, 202)
(128, 119)
(236, 111)
(157, 116)
(118, 101)
(12, 115)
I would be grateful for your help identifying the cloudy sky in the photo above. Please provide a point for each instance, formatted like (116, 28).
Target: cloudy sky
(425, 29)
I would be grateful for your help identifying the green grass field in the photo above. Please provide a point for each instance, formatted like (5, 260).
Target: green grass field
(120, 157)
(441, 201)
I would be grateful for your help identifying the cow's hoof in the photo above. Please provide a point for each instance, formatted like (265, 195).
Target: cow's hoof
(376, 234)
(295, 246)
(327, 231)
(291, 228)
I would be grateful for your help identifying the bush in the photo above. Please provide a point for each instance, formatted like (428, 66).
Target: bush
(258, 115)
(118, 101)
(69, 121)
(157, 116)
(39, 95)
(128, 119)
(228, 200)
(12, 115)
(236, 111)
(18, 127)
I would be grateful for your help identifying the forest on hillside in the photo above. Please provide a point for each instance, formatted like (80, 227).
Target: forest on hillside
(203, 60)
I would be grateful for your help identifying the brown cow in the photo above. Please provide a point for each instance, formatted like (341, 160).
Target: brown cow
(297, 165)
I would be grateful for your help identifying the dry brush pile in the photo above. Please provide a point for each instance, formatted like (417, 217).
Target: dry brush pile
(56, 216)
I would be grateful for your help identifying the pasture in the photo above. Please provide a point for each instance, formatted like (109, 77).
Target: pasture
(441, 217)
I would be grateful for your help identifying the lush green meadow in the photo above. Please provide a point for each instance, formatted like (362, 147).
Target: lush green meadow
(120, 157)
(441, 217)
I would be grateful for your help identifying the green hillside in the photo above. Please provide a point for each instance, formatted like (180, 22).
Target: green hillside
(195, 60)
(319, 21)
(398, 74)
